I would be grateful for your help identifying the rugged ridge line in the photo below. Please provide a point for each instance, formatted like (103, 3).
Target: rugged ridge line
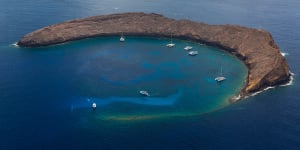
(255, 47)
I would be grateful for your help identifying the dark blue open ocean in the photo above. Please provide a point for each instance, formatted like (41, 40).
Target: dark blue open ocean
(46, 93)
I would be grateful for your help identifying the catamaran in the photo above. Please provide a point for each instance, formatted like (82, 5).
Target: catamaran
(145, 93)
(171, 44)
(122, 38)
(193, 53)
(220, 78)
(188, 48)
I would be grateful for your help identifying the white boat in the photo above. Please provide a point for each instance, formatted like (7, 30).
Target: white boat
(122, 38)
(94, 105)
(220, 78)
(171, 44)
(145, 93)
(188, 48)
(193, 53)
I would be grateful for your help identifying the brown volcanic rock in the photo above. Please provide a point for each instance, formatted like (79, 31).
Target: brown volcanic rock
(267, 67)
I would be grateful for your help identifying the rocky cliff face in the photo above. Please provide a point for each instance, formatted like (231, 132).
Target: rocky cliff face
(266, 66)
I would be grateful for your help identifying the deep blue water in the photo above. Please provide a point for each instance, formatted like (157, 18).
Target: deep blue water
(42, 90)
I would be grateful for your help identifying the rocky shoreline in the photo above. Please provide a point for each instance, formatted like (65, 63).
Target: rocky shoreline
(255, 47)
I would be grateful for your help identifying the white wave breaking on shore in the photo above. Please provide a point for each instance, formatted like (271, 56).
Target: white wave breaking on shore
(284, 54)
(236, 98)
(272, 87)
(14, 44)
(291, 80)
(258, 92)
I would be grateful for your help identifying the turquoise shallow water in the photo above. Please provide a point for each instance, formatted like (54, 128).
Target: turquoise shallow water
(111, 74)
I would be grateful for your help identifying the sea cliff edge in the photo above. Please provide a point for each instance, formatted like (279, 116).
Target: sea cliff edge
(255, 47)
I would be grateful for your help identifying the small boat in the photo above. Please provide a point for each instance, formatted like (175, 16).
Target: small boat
(171, 44)
(94, 105)
(193, 53)
(122, 38)
(145, 93)
(188, 48)
(220, 78)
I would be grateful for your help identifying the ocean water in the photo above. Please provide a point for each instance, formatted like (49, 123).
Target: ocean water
(45, 93)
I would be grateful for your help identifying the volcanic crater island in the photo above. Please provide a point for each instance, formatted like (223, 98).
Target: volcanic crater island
(255, 47)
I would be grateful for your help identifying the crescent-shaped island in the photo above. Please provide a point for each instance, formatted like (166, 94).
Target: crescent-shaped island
(255, 47)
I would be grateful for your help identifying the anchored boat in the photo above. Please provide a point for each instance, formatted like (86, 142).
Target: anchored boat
(122, 38)
(145, 93)
(221, 77)
(193, 53)
(188, 48)
(94, 105)
(171, 44)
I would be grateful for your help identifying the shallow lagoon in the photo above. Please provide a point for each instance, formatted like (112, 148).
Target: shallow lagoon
(111, 73)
